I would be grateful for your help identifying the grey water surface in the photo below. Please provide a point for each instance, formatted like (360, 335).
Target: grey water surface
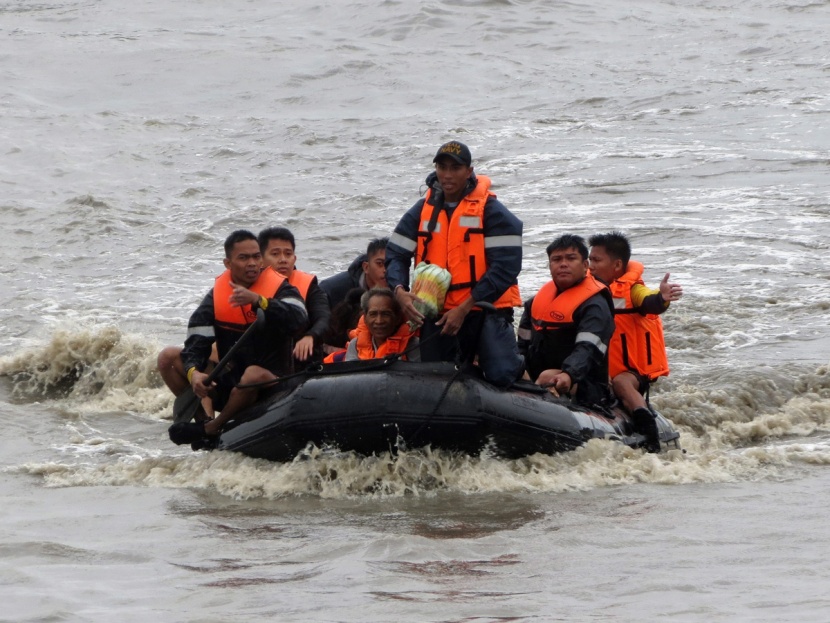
(136, 136)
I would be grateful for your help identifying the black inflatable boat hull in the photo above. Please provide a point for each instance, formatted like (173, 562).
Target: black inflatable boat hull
(376, 408)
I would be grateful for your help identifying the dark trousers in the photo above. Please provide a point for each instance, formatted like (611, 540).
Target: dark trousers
(489, 336)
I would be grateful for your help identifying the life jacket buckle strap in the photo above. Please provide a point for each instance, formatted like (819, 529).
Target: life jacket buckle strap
(472, 230)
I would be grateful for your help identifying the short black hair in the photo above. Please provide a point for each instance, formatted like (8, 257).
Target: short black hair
(275, 233)
(615, 243)
(569, 241)
(375, 245)
(240, 235)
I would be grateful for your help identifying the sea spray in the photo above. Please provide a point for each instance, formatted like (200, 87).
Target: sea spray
(90, 369)
(328, 474)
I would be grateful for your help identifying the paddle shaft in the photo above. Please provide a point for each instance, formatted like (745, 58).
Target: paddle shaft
(187, 403)
(260, 320)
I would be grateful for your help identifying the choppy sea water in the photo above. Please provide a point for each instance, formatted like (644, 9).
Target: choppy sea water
(136, 137)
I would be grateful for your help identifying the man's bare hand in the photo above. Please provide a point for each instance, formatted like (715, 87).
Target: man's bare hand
(670, 291)
(197, 382)
(555, 379)
(303, 348)
(407, 302)
(242, 296)
(451, 322)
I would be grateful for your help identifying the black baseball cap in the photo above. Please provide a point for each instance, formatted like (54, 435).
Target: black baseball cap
(457, 151)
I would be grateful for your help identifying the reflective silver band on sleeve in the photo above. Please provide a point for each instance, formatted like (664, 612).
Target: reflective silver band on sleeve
(524, 334)
(492, 242)
(295, 302)
(403, 242)
(619, 303)
(594, 339)
(203, 331)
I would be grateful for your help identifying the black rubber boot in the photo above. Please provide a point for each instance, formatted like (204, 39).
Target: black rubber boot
(187, 432)
(646, 425)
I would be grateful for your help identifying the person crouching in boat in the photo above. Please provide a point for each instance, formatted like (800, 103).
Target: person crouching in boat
(381, 332)
(637, 352)
(222, 317)
(565, 328)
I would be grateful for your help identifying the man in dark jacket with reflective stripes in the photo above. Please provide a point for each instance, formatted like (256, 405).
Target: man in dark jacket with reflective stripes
(566, 327)
(484, 230)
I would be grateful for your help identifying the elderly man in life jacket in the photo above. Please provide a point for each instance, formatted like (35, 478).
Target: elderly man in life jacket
(223, 316)
(381, 332)
(565, 328)
(460, 226)
(637, 352)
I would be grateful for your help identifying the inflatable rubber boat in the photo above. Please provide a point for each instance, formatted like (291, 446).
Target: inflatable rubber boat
(382, 406)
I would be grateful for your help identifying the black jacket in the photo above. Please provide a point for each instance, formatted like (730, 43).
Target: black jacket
(271, 349)
(337, 286)
(319, 317)
(580, 349)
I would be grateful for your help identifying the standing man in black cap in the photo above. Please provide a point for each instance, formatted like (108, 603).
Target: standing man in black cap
(461, 226)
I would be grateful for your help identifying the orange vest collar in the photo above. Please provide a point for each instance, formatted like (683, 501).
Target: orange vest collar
(551, 308)
(394, 344)
(301, 281)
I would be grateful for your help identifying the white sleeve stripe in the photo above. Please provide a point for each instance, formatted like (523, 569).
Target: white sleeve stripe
(295, 302)
(594, 339)
(203, 331)
(403, 242)
(491, 242)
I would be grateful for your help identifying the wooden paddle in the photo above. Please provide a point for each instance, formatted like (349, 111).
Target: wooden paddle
(187, 403)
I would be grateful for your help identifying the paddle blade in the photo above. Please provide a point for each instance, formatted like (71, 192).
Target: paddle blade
(185, 406)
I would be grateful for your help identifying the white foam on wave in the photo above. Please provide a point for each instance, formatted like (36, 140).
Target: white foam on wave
(745, 427)
(331, 474)
(88, 369)
(736, 423)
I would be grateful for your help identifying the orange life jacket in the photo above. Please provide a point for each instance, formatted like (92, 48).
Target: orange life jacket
(458, 245)
(638, 343)
(336, 357)
(238, 318)
(396, 343)
(554, 330)
(551, 310)
(301, 281)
